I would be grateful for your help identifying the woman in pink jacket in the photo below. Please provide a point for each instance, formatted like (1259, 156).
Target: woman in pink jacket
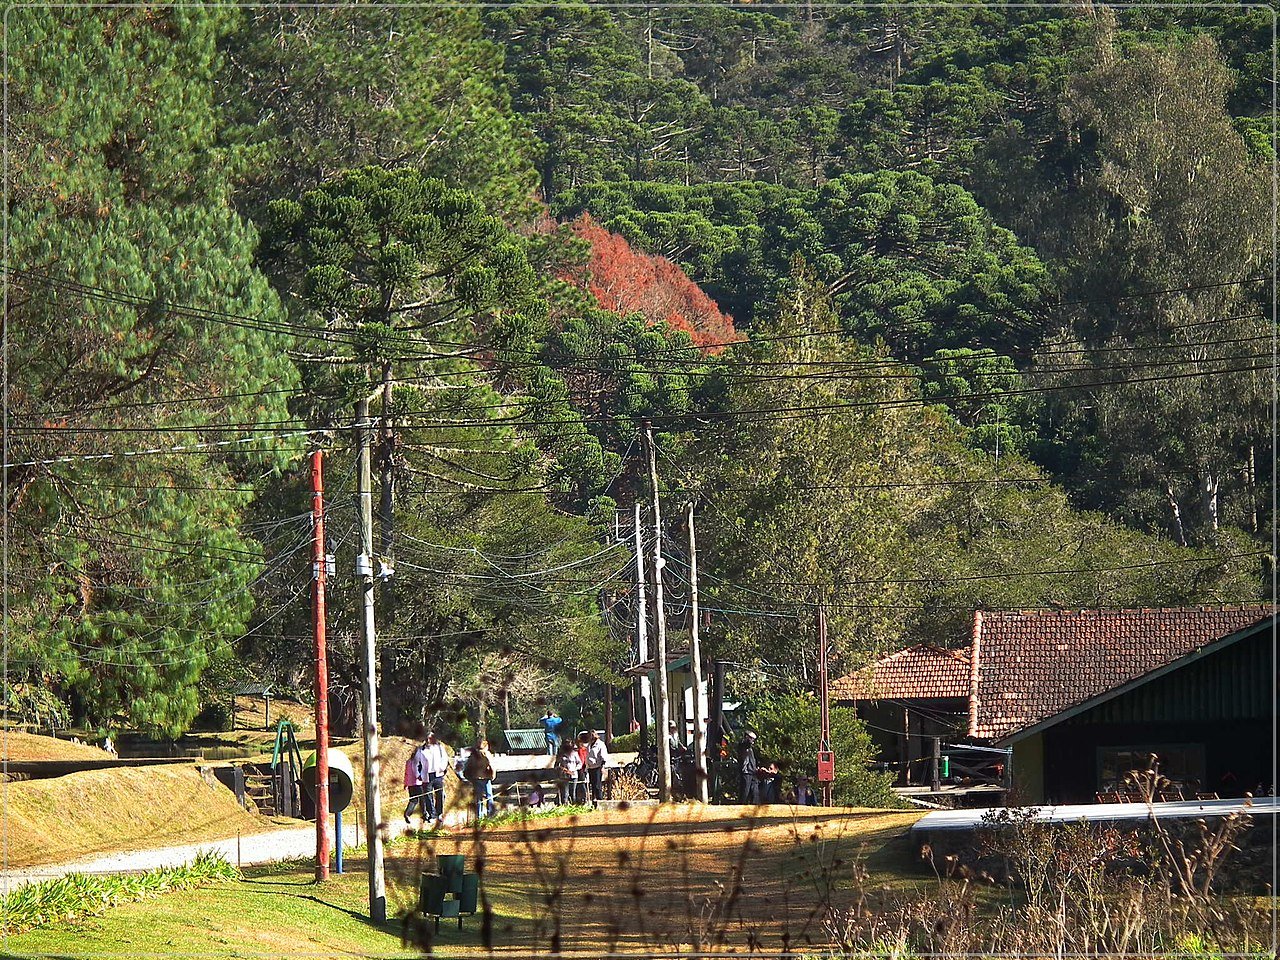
(414, 783)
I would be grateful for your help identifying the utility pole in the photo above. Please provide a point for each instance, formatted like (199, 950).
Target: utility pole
(663, 743)
(642, 629)
(695, 664)
(369, 685)
(319, 566)
(824, 711)
(386, 535)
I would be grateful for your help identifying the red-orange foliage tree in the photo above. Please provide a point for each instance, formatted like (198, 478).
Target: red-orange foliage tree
(626, 280)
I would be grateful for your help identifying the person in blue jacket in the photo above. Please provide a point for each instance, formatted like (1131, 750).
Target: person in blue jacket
(550, 724)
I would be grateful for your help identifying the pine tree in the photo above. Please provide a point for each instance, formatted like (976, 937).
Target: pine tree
(138, 323)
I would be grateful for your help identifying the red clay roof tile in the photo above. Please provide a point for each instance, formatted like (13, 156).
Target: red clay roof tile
(915, 673)
(1032, 664)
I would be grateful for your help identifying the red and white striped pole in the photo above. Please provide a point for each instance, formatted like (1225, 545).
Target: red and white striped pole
(320, 573)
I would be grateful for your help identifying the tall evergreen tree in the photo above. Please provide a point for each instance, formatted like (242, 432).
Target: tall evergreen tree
(144, 349)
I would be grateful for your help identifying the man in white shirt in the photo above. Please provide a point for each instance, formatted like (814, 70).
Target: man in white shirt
(597, 759)
(435, 761)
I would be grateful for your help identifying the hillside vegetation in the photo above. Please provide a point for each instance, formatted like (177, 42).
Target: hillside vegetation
(929, 309)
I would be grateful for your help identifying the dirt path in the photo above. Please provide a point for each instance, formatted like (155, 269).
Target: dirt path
(678, 878)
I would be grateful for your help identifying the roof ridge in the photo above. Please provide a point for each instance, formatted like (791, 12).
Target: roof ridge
(1099, 611)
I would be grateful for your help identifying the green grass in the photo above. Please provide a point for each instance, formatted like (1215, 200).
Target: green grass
(270, 912)
(77, 895)
(277, 910)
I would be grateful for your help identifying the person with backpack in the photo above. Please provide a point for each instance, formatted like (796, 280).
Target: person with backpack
(479, 773)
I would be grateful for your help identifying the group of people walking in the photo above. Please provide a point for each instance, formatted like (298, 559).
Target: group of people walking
(579, 764)
(424, 779)
(580, 767)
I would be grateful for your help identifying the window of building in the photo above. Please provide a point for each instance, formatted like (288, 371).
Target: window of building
(1183, 763)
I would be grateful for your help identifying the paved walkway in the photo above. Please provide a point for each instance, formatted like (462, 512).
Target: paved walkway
(1102, 813)
(271, 847)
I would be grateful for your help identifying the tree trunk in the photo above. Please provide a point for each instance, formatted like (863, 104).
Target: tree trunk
(1251, 485)
(388, 688)
(1209, 498)
(1176, 512)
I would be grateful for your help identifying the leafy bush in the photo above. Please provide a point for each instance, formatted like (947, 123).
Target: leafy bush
(626, 743)
(35, 704)
(787, 727)
(216, 716)
(80, 895)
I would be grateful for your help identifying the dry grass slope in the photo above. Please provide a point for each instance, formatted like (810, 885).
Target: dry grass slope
(81, 815)
(28, 746)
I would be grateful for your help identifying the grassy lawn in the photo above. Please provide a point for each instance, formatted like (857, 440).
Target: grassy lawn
(609, 881)
(277, 912)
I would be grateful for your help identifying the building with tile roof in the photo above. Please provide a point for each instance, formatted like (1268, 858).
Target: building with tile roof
(1081, 696)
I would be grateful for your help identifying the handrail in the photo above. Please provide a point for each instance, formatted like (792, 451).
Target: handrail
(286, 744)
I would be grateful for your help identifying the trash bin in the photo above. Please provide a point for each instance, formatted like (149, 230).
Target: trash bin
(431, 893)
(470, 896)
(452, 866)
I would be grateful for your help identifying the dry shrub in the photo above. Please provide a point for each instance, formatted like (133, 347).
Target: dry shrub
(1082, 888)
(626, 786)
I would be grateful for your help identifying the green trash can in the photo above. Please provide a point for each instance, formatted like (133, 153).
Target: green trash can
(452, 866)
(470, 895)
(431, 893)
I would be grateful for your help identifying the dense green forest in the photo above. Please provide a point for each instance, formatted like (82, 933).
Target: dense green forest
(930, 308)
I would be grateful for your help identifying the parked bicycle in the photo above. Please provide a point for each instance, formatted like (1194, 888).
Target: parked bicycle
(683, 772)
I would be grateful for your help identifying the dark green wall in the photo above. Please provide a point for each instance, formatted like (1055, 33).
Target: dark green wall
(1225, 701)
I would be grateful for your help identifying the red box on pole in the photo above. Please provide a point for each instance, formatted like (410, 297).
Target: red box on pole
(826, 766)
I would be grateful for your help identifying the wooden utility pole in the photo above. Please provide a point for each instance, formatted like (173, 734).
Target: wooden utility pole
(369, 681)
(695, 664)
(319, 567)
(642, 631)
(386, 544)
(824, 710)
(663, 743)
(608, 715)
